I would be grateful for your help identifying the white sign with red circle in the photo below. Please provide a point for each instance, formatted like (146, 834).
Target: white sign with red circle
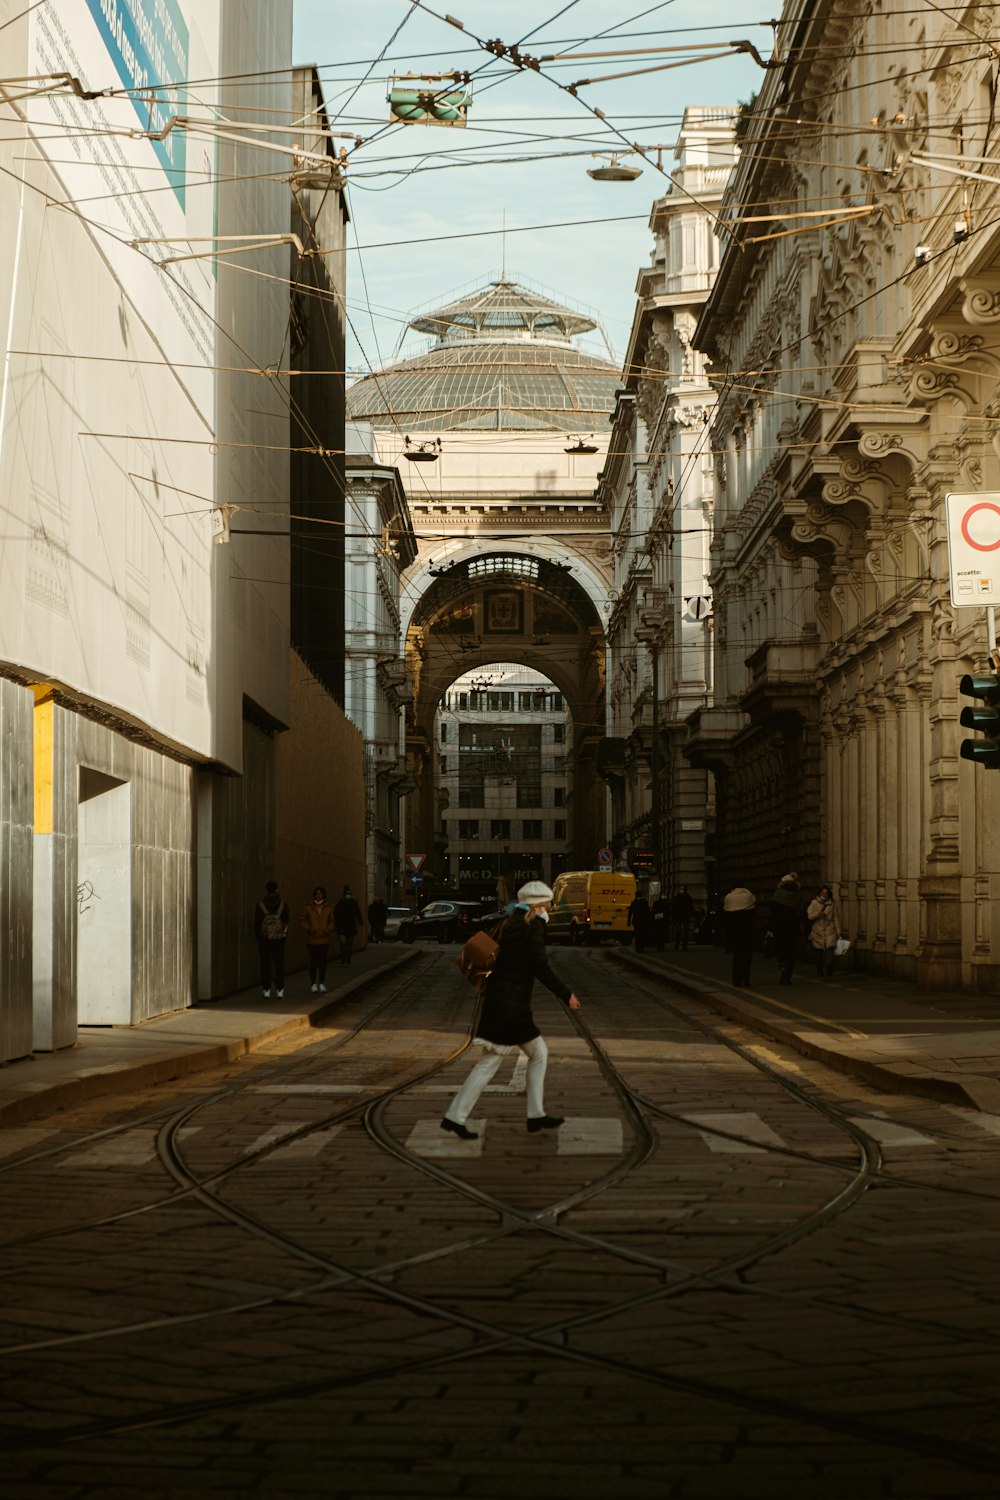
(974, 549)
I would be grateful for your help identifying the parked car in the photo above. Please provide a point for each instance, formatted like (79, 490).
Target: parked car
(447, 921)
(396, 915)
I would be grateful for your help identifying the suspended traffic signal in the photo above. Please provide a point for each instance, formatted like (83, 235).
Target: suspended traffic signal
(426, 99)
(986, 719)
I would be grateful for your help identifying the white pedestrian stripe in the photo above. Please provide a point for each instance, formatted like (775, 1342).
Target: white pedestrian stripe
(889, 1134)
(19, 1137)
(276, 1134)
(428, 1139)
(133, 1149)
(581, 1136)
(989, 1123)
(735, 1122)
(308, 1146)
(309, 1088)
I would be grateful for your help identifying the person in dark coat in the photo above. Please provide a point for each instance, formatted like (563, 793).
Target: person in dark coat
(640, 919)
(506, 1021)
(682, 910)
(739, 918)
(347, 920)
(378, 914)
(660, 910)
(784, 922)
(270, 928)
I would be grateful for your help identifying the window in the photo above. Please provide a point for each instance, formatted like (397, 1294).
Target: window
(463, 700)
(500, 828)
(558, 796)
(559, 828)
(444, 764)
(468, 828)
(558, 734)
(556, 701)
(531, 828)
(444, 733)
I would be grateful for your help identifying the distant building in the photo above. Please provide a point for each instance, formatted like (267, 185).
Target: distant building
(503, 738)
(499, 428)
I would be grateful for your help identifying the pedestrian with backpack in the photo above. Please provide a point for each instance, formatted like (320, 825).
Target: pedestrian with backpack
(506, 1021)
(270, 928)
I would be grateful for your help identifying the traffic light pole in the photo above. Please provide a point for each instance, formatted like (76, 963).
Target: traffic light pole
(654, 766)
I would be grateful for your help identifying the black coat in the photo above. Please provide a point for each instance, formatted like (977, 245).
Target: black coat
(347, 916)
(506, 1017)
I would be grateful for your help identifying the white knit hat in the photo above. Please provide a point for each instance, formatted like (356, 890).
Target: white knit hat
(535, 893)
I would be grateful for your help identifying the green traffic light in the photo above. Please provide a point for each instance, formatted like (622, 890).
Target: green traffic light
(982, 753)
(986, 719)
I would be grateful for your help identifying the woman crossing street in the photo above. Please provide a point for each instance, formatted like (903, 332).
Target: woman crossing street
(506, 1020)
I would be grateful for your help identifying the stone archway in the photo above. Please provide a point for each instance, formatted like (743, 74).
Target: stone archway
(516, 606)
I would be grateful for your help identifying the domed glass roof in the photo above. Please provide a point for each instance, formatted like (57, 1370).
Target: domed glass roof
(503, 361)
(504, 308)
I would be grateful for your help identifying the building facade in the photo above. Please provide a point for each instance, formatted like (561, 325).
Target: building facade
(499, 429)
(853, 352)
(380, 545)
(657, 488)
(503, 736)
(146, 676)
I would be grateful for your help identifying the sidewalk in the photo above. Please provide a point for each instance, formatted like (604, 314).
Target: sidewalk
(940, 1044)
(116, 1059)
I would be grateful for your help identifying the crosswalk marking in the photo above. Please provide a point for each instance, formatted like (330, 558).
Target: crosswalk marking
(309, 1088)
(19, 1137)
(277, 1133)
(428, 1139)
(308, 1146)
(735, 1122)
(132, 1149)
(989, 1123)
(600, 1136)
(887, 1133)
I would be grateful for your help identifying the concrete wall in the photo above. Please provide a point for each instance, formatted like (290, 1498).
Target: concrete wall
(113, 878)
(16, 706)
(319, 798)
(236, 832)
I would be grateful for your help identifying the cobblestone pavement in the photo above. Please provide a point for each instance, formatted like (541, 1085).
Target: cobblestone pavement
(749, 1277)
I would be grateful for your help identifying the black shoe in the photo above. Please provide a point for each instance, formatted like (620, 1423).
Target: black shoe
(546, 1122)
(460, 1130)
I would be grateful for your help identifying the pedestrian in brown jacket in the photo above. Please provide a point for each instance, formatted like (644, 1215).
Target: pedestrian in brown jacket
(317, 924)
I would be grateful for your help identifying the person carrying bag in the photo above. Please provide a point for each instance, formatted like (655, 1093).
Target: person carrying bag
(506, 1021)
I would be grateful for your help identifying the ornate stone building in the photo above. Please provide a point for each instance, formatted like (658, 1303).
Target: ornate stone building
(657, 487)
(853, 329)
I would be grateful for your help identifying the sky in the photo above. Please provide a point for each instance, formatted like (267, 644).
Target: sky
(411, 185)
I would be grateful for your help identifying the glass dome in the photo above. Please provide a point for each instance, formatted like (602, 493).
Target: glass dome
(503, 361)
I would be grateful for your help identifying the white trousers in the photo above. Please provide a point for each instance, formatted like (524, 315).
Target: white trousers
(467, 1097)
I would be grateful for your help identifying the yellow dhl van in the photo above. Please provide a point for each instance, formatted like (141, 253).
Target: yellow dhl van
(588, 905)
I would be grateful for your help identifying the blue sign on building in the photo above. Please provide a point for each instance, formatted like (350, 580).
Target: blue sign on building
(148, 43)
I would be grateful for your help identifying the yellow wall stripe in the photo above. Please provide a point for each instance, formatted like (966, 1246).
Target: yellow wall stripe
(44, 716)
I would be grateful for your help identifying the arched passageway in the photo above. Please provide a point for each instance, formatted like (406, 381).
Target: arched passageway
(514, 608)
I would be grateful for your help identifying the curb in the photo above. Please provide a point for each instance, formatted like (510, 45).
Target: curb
(976, 1091)
(122, 1078)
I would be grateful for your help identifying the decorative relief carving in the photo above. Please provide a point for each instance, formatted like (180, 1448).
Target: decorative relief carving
(942, 619)
(982, 301)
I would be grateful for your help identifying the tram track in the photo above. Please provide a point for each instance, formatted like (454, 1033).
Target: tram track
(513, 1220)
